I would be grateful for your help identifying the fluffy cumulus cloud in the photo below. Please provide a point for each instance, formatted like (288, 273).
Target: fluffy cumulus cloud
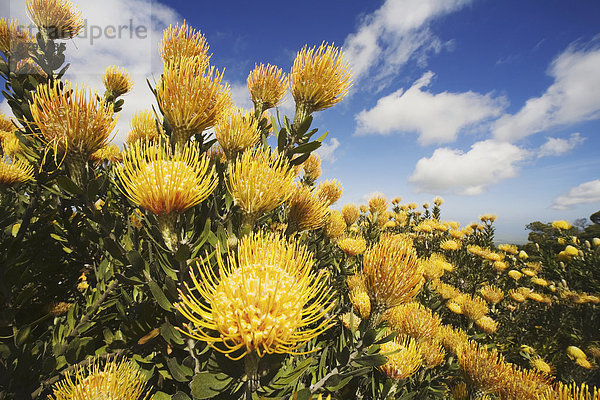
(327, 150)
(396, 33)
(573, 97)
(437, 118)
(588, 192)
(558, 146)
(121, 33)
(486, 163)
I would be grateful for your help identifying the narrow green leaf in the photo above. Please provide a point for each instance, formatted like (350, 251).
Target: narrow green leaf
(159, 296)
(179, 372)
(68, 185)
(208, 384)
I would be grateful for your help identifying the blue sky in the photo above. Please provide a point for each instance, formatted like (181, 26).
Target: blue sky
(494, 105)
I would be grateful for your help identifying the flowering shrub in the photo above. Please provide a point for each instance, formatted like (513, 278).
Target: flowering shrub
(191, 266)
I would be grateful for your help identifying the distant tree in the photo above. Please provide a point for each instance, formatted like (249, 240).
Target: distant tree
(595, 217)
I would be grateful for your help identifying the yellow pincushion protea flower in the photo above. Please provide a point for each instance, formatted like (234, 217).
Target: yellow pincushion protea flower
(539, 364)
(336, 226)
(267, 302)
(432, 353)
(378, 203)
(403, 358)
(72, 122)
(259, 182)
(312, 167)
(236, 132)
(492, 294)
(352, 244)
(191, 98)
(350, 213)
(319, 78)
(13, 172)
(183, 42)
(487, 324)
(485, 369)
(56, 19)
(562, 225)
(165, 183)
(474, 307)
(329, 191)
(110, 153)
(10, 144)
(572, 391)
(445, 290)
(117, 82)
(267, 85)
(450, 245)
(509, 248)
(116, 380)
(392, 271)
(414, 320)
(306, 211)
(358, 295)
(12, 36)
(144, 127)
(452, 338)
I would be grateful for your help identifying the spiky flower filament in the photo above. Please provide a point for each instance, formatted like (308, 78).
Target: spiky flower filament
(116, 380)
(350, 213)
(336, 226)
(9, 143)
(117, 82)
(191, 98)
(572, 391)
(414, 320)
(11, 35)
(319, 78)
(260, 181)
(306, 211)
(352, 244)
(392, 271)
(486, 370)
(267, 85)
(267, 302)
(13, 171)
(329, 191)
(236, 132)
(144, 127)
(183, 42)
(72, 121)
(312, 167)
(165, 182)
(56, 19)
(403, 358)
(110, 153)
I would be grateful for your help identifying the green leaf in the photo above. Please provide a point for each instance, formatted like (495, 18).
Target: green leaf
(208, 384)
(170, 334)
(306, 148)
(336, 382)
(369, 338)
(113, 248)
(281, 139)
(303, 394)
(159, 296)
(136, 260)
(180, 396)
(161, 396)
(179, 372)
(374, 360)
(183, 253)
(303, 128)
(68, 185)
(22, 335)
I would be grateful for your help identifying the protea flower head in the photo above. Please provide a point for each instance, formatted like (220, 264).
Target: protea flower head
(182, 42)
(73, 122)
(485, 369)
(378, 203)
(191, 98)
(392, 271)
(165, 182)
(414, 320)
(350, 213)
(56, 19)
(267, 302)
(259, 181)
(110, 153)
(144, 127)
(312, 167)
(13, 172)
(116, 380)
(306, 211)
(330, 191)
(352, 244)
(572, 391)
(12, 36)
(336, 226)
(319, 79)
(10, 144)
(403, 358)
(237, 131)
(117, 82)
(267, 85)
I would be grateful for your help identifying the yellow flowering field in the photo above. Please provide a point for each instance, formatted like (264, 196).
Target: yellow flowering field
(207, 259)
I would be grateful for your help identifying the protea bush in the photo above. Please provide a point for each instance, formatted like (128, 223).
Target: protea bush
(187, 265)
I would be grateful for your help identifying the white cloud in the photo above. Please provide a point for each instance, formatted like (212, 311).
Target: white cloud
(588, 192)
(395, 33)
(240, 96)
(447, 170)
(573, 97)
(437, 118)
(558, 146)
(327, 150)
(89, 55)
